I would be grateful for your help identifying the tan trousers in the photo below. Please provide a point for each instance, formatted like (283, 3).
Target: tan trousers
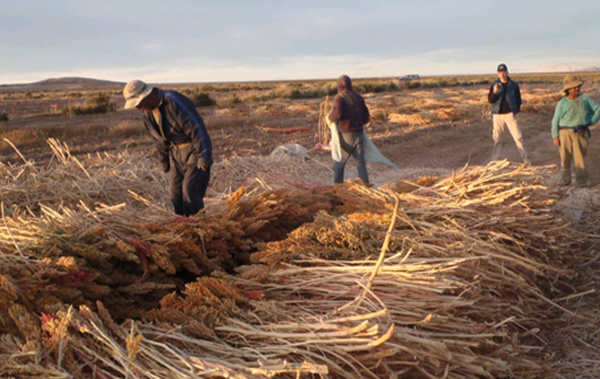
(502, 121)
(573, 147)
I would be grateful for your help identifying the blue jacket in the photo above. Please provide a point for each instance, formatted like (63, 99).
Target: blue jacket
(181, 124)
(510, 91)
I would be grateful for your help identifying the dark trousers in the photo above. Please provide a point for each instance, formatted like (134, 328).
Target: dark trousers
(187, 183)
(351, 143)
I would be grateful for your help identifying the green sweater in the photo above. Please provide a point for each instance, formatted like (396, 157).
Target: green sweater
(571, 113)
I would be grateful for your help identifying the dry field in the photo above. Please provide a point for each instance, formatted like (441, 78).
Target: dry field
(454, 267)
(444, 124)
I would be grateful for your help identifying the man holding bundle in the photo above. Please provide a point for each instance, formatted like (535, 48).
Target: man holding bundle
(183, 144)
(573, 116)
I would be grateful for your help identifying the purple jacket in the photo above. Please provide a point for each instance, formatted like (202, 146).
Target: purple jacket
(349, 108)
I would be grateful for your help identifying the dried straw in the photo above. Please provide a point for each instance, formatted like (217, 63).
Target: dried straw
(458, 278)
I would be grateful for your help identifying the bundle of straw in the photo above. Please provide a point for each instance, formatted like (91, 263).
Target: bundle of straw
(449, 278)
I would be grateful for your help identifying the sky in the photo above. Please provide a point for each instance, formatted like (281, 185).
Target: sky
(174, 41)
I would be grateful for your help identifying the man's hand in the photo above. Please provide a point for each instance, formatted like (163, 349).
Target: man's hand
(165, 167)
(496, 88)
(557, 142)
(201, 164)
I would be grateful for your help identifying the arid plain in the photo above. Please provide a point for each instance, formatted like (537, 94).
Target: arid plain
(499, 261)
(437, 122)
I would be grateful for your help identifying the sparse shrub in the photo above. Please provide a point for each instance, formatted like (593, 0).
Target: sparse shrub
(270, 95)
(3, 116)
(413, 85)
(200, 99)
(331, 90)
(430, 84)
(292, 91)
(295, 94)
(208, 88)
(307, 94)
(445, 81)
(316, 90)
(370, 87)
(98, 103)
(101, 101)
(475, 82)
(233, 99)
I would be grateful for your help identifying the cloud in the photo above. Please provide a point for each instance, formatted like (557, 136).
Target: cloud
(152, 48)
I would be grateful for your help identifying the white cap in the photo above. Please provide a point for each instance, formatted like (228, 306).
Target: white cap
(135, 91)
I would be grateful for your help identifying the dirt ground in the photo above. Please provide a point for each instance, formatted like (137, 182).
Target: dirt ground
(433, 129)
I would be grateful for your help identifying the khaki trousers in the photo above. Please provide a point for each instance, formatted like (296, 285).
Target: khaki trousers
(573, 147)
(502, 121)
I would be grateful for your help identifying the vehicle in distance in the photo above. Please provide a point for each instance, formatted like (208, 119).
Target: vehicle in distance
(408, 78)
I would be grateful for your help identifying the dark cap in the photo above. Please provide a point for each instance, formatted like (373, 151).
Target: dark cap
(502, 67)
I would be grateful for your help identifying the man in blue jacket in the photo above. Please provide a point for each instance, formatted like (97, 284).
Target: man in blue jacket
(505, 97)
(183, 144)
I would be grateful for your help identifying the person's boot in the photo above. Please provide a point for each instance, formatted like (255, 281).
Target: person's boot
(565, 177)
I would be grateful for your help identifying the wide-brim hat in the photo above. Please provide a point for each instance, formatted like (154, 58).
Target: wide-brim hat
(571, 81)
(135, 91)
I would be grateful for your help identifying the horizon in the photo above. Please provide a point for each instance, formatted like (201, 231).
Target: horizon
(583, 71)
(558, 70)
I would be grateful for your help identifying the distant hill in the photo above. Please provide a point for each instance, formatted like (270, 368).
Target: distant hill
(63, 84)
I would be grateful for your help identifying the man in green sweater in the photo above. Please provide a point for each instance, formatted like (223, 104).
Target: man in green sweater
(573, 116)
